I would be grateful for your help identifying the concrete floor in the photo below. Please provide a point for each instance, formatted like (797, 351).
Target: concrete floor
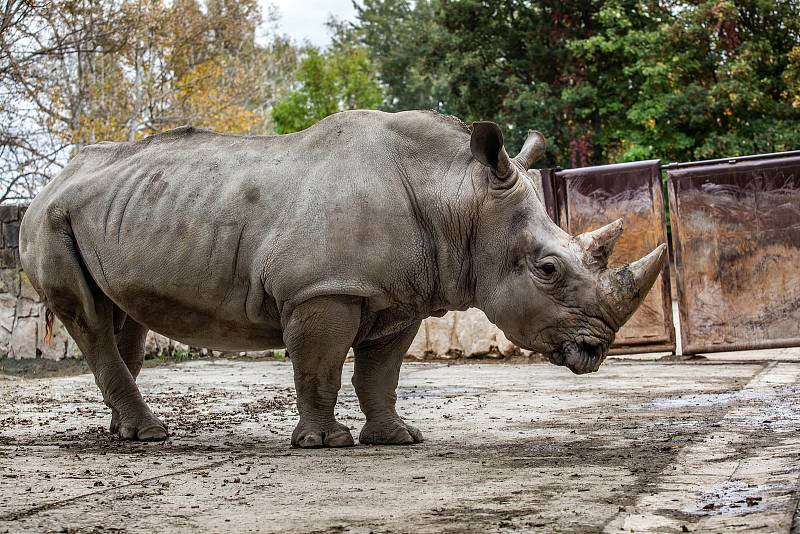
(639, 447)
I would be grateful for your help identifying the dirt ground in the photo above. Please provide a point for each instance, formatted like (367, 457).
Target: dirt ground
(641, 446)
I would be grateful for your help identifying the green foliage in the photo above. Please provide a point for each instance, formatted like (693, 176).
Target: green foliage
(401, 40)
(605, 80)
(712, 82)
(171, 354)
(279, 355)
(339, 79)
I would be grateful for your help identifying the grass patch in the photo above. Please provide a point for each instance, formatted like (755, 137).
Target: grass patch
(170, 355)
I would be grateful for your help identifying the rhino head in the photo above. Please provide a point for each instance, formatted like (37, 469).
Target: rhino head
(548, 291)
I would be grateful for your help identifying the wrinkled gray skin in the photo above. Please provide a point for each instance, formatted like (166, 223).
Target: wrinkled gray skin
(346, 234)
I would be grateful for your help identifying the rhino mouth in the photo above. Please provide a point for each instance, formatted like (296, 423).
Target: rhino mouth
(579, 357)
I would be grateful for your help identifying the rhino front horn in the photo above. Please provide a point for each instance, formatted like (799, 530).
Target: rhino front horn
(632, 282)
(599, 244)
(646, 270)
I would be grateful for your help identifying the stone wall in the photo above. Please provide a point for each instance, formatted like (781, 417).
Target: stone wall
(467, 334)
(21, 311)
(456, 335)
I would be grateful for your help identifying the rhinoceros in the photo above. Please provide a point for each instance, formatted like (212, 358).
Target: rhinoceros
(347, 234)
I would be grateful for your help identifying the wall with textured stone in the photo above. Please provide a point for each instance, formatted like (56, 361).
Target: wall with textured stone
(456, 335)
(21, 310)
(467, 334)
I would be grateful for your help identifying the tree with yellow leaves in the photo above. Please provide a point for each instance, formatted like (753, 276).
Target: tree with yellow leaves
(75, 72)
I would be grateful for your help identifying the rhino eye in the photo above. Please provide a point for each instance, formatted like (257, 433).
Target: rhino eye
(548, 268)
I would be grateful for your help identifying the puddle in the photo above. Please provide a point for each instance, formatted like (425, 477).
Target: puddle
(416, 392)
(720, 399)
(705, 399)
(733, 498)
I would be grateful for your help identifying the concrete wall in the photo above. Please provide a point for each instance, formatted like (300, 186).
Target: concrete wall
(456, 335)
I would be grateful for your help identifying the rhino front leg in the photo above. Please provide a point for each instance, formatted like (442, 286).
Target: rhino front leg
(318, 335)
(377, 370)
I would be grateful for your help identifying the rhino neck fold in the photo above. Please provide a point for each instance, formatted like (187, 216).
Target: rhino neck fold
(454, 223)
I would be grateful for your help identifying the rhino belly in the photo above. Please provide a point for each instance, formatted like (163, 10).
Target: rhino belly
(195, 324)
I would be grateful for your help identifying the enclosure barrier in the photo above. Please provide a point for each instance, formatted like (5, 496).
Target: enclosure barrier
(735, 245)
(736, 242)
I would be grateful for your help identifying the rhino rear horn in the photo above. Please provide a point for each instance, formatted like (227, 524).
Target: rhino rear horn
(599, 244)
(532, 150)
(486, 144)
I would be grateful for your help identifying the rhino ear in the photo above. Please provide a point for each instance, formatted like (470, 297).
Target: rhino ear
(487, 147)
(532, 150)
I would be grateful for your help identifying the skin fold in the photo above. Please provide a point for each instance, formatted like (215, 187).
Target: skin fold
(347, 234)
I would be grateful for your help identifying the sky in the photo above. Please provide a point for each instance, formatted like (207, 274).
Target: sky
(305, 19)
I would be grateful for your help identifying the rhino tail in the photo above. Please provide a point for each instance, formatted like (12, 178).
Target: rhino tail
(48, 327)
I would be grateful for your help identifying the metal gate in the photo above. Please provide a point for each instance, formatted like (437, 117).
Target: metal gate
(588, 198)
(736, 234)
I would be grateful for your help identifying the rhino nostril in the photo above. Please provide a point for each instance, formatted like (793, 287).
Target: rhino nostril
(580, 356)
(592, 352)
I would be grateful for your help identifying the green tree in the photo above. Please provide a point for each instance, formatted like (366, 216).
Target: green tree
(714, 79)
(605, 80)
(504, 60)
(326, 83)
(401, 39)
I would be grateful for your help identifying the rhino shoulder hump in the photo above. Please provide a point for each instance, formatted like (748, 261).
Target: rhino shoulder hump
(187, 130)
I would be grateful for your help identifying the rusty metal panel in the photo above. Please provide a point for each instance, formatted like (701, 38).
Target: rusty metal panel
(736, 234)
(591, 197)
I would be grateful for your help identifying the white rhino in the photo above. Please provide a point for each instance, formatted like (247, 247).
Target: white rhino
(347, 234)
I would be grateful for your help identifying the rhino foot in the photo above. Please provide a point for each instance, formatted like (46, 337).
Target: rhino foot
(391, 432)
(146, 427)
(310, 436)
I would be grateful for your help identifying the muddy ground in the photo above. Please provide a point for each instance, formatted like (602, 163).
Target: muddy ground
(641, 446)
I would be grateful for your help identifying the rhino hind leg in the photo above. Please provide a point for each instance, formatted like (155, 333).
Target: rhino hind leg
(87, 313)
(130, 343)
(377, 369)
(318, 335)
